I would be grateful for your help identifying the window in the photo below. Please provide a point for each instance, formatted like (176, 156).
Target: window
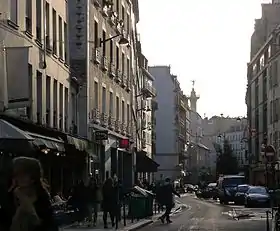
(123, 64)
(61, 106)
(14, 11)
(123, 111)
(128, 24)
(123, 13)
(117, 108)
(128, 67)
(66, 112)
(104, 99)
(54, 31)
(55, 103)
(96, 34)
(96, 95)
(30, 76)
(117, 7)
(48, 99)
(39, 20)
(39, 97)
(111, 103)
(127, 113)
(117, 58)
(66, 43)
(47, 18)
(28, 16)
(104, 44)
(60, 37)
(111, 51)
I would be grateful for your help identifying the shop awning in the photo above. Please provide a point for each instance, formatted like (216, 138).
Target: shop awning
(13, 139)
(82, 145)
(48, 142)
(9, 131)
(145, 163)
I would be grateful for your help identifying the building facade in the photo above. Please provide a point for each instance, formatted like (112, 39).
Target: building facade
(262, 96)
(42, 92)
(170, 123)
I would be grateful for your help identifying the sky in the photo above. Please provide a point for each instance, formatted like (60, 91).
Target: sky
(206, 41)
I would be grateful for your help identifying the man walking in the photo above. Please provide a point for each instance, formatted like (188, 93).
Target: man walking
(167, 199)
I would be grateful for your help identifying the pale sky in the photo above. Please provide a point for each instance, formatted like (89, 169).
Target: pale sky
(206, 41)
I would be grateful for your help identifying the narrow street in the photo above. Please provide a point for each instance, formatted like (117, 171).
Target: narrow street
(205, 215)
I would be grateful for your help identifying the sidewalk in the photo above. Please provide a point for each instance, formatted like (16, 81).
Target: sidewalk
(131, 225)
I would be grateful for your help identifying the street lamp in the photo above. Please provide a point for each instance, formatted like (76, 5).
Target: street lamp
(123, 41)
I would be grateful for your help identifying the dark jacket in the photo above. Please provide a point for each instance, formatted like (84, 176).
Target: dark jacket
(166, 194)
(43, 209)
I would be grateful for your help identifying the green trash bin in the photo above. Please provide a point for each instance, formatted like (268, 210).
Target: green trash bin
(137, 203)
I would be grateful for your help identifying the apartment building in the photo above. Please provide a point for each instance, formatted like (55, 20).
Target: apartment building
(106, 61)
(262, 96)
(170, 123)
(42, 92)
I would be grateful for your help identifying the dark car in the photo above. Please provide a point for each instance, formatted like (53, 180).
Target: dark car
(240, 194)
(257, 196)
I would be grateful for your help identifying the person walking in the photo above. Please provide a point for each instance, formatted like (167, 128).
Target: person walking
(27, 205)
(167, 199)
(109, 203)
(92, 201)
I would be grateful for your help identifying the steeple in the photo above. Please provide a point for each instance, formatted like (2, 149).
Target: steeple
(193, 97)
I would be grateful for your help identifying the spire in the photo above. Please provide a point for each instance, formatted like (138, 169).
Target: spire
(193, 97)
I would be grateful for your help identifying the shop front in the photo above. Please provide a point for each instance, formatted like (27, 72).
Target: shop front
(64, 158)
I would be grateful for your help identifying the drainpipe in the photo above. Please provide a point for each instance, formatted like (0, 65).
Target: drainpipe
(44, 64)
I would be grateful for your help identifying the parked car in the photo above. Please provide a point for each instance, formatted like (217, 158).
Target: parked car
(240, 194)
(190, 188)
(212, 188)
(257, 196)
(227, 186)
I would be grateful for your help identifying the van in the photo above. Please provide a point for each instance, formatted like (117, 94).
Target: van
(227, 186)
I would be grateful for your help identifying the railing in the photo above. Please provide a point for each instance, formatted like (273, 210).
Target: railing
(148, 88)
(111, 120)
(104, 119)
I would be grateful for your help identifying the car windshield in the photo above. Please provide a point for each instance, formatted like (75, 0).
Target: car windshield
(233, 181)
(260, 190)
(243, 188)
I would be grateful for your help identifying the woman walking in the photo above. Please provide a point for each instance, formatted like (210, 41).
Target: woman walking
(27, 206)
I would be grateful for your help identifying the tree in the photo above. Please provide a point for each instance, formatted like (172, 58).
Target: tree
(226, 162)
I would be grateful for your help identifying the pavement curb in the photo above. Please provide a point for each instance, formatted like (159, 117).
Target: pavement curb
(138, 226)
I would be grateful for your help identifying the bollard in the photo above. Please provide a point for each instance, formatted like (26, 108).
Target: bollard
(124, 215)
(267, 220)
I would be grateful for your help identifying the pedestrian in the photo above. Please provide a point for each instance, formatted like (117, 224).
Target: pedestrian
(28, 205)
(167, 199)
(109, 203)
(92, 200)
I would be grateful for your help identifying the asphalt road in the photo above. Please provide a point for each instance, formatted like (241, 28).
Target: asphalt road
(204, 215)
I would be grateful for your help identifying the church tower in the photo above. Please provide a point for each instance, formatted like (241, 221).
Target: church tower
(193, 98)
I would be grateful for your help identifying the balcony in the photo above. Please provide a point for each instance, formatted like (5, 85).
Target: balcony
(97, 3)
(148, 90)
(112, 72)
(96, 56)
(128, 130)
(95, 116)
(124, 80)
(117, 126)
(105, 63)
(104, 120)
(113, 18)
(144, 143)
(144, 124)
(128, 84)
(119, 26)
(118, 76)
(183, 104)
(123, 128)
(111, 124)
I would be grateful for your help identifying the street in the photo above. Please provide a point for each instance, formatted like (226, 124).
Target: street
(209, 215)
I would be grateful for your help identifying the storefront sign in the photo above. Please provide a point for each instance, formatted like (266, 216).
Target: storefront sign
(101, 135)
